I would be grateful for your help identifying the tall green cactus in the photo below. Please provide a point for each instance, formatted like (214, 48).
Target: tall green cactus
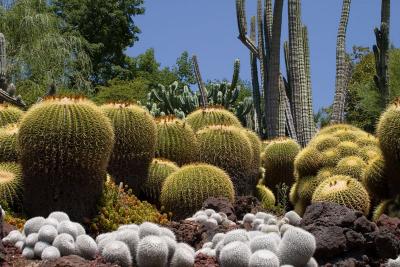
(381, 52)
(341, 66)
(267, 50)
(300, 91)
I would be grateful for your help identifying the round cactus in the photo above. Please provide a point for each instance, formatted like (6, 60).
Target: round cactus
(60, 216)
(65, 244)
(297, 247)
(264, 258)
(86, 247)
(348, 148)
(347, 135)
(68, 227)
(182, 257)
(117, 252)
(176, 141)
(185, 190)
(47, 233)
(8, 143)
(10, 184)
(308, 161)
(331, 157)
(255, 143)
(345, 191)
(50, 253)
(293, 193)
(262, 242)
(324, 142)
(266, 196)
(130, 238)
(152, 251)
(336, 127)
(380, 209)
(235, 254)
(375, 179)
(159, 170)
(135, 143)
(65, 146)
(229, 148)
(9, 114)
(279, 162)
(211, 116)
(352, 166)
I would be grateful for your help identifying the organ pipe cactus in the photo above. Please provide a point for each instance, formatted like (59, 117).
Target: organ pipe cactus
(341, 66)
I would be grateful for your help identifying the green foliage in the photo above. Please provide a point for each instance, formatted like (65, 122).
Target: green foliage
(65, 144)
(135, 143)
(8, 143)
(130, 91)
(343, 190)
(211, 116)
(364, 100)
(9, 114)
(11, 185)
(184, 191)
(159, 170)
(40, 50)
(176, 141)
(107, 26)
(119, 206)
(228, 148)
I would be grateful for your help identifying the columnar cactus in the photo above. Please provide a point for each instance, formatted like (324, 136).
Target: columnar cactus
(64, 156)
(185, 190)
(135, 143)
(228, 148)
(176, 141)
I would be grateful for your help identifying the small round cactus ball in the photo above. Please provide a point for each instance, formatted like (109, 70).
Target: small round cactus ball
(212, 116)
(352, 166)
(266, 196)
(375, 179)
(176, 141)
(308, 161)
(345, 191)
(324, 142)
(279, 162)
(331, 129)
(9, 114)
(255, 143)
(265, 258)
(185, 190)
(159, 170)
(8, 143)
(11, 185)
(228, 148)
(65, 144)
(135, 143)
(235, 254)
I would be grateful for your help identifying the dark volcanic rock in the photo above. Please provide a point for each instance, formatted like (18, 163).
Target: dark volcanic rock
(73, 260)
(187, 231)
(345, 236)
(246, 204)
(221, 204)
(203, 260)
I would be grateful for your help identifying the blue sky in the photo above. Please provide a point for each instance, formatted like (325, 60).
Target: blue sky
(208, 29)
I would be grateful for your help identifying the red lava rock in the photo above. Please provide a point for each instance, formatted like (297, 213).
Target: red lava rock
(74, 260)
(203, 260)
(187, 231)
(246, 204)
(221, 204)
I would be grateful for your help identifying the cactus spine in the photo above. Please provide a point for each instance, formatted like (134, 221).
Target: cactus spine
(341, 66)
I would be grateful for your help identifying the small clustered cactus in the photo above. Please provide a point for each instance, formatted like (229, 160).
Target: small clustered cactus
(9, 114)
(119, 206)
(211, 116)
(338, 149)
(271, 242)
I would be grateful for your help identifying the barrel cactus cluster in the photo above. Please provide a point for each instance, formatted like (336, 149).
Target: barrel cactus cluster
(333, 167)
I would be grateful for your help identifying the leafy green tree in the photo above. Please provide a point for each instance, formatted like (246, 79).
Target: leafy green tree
(38, 50)
(184, 69)
(108, 26)
(123, 91)
(363, 100)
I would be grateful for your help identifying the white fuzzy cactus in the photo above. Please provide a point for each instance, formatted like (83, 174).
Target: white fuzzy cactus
(235, 254)
(312, 263)
(39, 247)
(31, 240)
(13, 237)
(50, 253)
(293, 217)
(171, 244)
(167, 232)
(269, 228)
(68, 227)
(117, 252)
(249, 218)
(86, 247)
(183, 257)
(81, 230)
(33, 225)
(51, 221)
(129, 226)
(148, 228)
(47, 233)
(264, 258)
(236, 235)
(60, 216)
(65, 244)
(28, 253)
(296, 247)
(263, 242)
(130, 237)
(217, 238)
(152, 251)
